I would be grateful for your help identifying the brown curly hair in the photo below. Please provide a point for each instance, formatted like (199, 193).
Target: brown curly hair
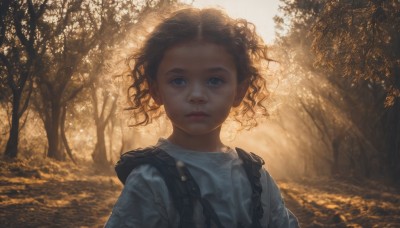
(239, 38)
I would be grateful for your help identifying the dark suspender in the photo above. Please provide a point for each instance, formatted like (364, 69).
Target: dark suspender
(184, 189)
(252, 165)
(166, 166)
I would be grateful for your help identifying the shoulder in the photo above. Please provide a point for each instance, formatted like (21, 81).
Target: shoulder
(144, 175)
(144, 200)
(151, 156)
(250, 158)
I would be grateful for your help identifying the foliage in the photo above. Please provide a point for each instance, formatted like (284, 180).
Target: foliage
(327, 46)
(18, 57)
(77, 29)
(361, 39)
(56, 47)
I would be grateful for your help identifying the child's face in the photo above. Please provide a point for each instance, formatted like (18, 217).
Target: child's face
(197, 84)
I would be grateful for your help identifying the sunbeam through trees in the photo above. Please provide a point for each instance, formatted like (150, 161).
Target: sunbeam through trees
(332, 137)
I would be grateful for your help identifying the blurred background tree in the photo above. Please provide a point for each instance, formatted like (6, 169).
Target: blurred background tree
(55, 51)
(19, 54)
(346, 55)
(335, 97)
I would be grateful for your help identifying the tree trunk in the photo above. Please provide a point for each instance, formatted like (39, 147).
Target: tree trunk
(335, 170)
(100, 153)
(53, 134)
(393, 140)
(101, 119)
(110, 136)
(396, 124)
(64, 137)
(12, 143)
(363, 158)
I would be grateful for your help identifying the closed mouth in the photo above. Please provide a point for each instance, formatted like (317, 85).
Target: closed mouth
(197, 114)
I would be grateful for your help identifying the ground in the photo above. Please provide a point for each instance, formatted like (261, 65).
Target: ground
(43, 193)
(327, 202)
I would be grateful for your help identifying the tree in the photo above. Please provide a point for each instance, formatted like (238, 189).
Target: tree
(104, 101)
(71, 35)
(369, 28)
(79, 32)
(363, 43)
(102, 118)
(18, 55)
(104, 96)
(353, 44)
(45, 45)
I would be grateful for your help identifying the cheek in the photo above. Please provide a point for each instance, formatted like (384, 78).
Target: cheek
(155, 94)
(227, 96)
(171, 107)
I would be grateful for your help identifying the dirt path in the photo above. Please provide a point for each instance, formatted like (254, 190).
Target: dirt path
(52, 197)
(48, 194)
(342, 203)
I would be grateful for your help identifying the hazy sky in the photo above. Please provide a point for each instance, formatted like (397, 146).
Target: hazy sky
(260, 12)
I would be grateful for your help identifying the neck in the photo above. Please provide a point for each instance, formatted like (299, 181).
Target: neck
(208, 142)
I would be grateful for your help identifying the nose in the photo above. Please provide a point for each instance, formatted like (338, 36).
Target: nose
(197, 94)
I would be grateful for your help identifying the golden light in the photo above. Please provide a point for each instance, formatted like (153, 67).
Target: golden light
(259, 12)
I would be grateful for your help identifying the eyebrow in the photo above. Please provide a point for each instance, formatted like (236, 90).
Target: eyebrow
(175, 71)
(210, 70)
(217, 69)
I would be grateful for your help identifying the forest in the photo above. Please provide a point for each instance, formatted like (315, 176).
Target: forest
(332, 137)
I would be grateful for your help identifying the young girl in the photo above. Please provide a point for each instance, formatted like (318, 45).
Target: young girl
(201, 66)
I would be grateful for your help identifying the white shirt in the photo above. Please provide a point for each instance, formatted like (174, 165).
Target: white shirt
(145, 201)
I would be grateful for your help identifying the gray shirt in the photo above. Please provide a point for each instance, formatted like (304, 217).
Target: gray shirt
(145, 201)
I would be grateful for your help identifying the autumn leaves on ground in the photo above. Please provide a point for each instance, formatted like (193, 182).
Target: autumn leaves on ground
(42, 193)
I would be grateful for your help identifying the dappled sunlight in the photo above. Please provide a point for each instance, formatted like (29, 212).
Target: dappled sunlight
(331, 142)
(73, 198)
(330, 201)
(88, 197)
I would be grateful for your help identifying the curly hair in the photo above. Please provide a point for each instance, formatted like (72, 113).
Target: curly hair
(237, 36)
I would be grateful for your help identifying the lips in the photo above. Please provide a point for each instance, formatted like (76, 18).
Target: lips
(197, 115)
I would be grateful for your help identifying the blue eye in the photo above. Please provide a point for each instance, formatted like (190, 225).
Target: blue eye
(215, 81)
(178, 82)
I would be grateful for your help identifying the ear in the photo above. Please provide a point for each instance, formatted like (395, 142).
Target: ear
(241, 91)
(155, 93)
